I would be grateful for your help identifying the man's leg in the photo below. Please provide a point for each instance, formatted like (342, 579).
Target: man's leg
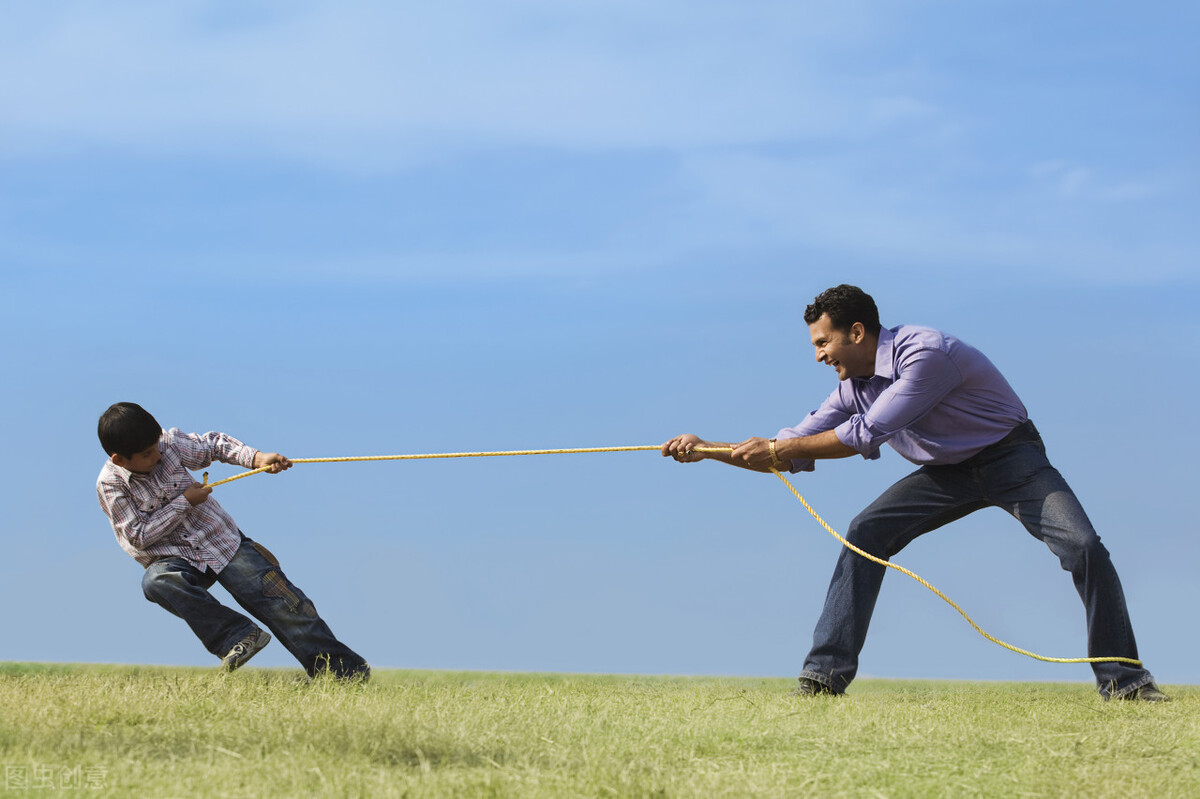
(1028, 486)
(256, 581)
(923, 501)
(181, 589)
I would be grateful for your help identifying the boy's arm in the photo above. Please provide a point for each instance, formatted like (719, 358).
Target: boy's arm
(273, 459)
(198, 450)
(142, 528)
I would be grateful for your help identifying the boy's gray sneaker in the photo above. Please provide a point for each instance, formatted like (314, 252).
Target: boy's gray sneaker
(245, 649)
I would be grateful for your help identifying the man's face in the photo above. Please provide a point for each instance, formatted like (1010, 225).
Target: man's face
(140, 462)
(847, 351)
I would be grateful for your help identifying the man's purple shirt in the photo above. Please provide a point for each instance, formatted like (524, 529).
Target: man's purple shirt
(935, 399)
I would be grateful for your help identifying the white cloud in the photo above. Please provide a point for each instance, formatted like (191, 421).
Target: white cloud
(791, 123)
(1136, 190)
(1062, 177)
(379, 80)
(898, 109)
(1071, 180)
(840, 204)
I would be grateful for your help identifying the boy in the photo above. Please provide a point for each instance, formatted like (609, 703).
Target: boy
(186, 541)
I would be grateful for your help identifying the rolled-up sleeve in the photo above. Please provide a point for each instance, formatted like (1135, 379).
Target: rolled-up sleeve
(923, 379)
(833, 412)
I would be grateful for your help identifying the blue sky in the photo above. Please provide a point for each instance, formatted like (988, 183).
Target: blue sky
(384, 228)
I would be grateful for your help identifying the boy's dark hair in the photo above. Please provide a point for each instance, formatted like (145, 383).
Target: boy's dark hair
(126, 429)
(845, 305)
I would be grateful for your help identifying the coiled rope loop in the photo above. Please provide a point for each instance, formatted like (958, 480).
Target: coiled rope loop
(786, 482)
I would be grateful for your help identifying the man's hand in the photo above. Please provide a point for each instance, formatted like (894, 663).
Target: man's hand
(682, 448)
(196, 493)
(273, 459)
(753, 453)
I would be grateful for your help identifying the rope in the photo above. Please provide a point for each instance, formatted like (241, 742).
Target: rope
(945, 598)
(786, 482)
(437, 455)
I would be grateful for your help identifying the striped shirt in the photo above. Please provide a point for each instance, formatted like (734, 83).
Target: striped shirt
(150, 515)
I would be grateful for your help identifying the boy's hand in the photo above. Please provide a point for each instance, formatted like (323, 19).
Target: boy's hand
(196, 493)
(273, 459)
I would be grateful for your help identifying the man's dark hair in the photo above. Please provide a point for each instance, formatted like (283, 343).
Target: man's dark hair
(126, 429)
(845, 306)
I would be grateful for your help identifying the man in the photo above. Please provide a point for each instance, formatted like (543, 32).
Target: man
(942, 405)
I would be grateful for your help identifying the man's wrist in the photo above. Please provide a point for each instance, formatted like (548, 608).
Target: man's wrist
(775, 462)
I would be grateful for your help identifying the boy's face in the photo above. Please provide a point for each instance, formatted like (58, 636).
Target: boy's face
(140, 462)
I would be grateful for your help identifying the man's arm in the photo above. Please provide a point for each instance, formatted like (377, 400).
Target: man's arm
(688, 448)
(755, 453)
(923, 379)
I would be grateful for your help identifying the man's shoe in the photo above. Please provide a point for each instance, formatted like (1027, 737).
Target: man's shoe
(1147, 693)
(810, 687)
(245, 649)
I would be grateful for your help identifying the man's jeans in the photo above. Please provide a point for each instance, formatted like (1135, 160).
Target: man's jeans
(255, 580)
(1013, 474)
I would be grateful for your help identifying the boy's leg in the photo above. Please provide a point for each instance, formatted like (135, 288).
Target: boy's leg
(256, 581)
(180, 588)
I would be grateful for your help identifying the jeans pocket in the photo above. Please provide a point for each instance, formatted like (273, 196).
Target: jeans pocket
(266, 553)
(275, 585)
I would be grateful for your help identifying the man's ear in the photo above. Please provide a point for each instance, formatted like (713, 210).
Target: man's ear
(857, 332)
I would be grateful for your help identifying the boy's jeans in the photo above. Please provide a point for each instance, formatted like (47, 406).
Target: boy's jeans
(255, 580)
(1013, 474)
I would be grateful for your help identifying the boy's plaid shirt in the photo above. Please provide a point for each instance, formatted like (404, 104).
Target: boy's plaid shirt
(152, 518)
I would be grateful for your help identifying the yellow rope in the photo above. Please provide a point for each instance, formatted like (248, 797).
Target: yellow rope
(778, 474)
(437, 455)
(947, 599)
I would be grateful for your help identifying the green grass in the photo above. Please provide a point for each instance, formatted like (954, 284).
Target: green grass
(163, 732)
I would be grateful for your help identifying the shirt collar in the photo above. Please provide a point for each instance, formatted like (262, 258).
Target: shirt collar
(119, 471)
(885, 359)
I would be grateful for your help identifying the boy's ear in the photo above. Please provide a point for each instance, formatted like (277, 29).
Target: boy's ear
(119, 460)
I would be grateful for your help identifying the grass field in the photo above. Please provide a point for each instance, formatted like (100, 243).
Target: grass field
(164, 732)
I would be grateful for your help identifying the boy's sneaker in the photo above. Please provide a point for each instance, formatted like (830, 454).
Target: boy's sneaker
(245, 649)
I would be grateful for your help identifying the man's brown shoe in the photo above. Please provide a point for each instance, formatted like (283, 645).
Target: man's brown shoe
(810, 687)
(1147, 693)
